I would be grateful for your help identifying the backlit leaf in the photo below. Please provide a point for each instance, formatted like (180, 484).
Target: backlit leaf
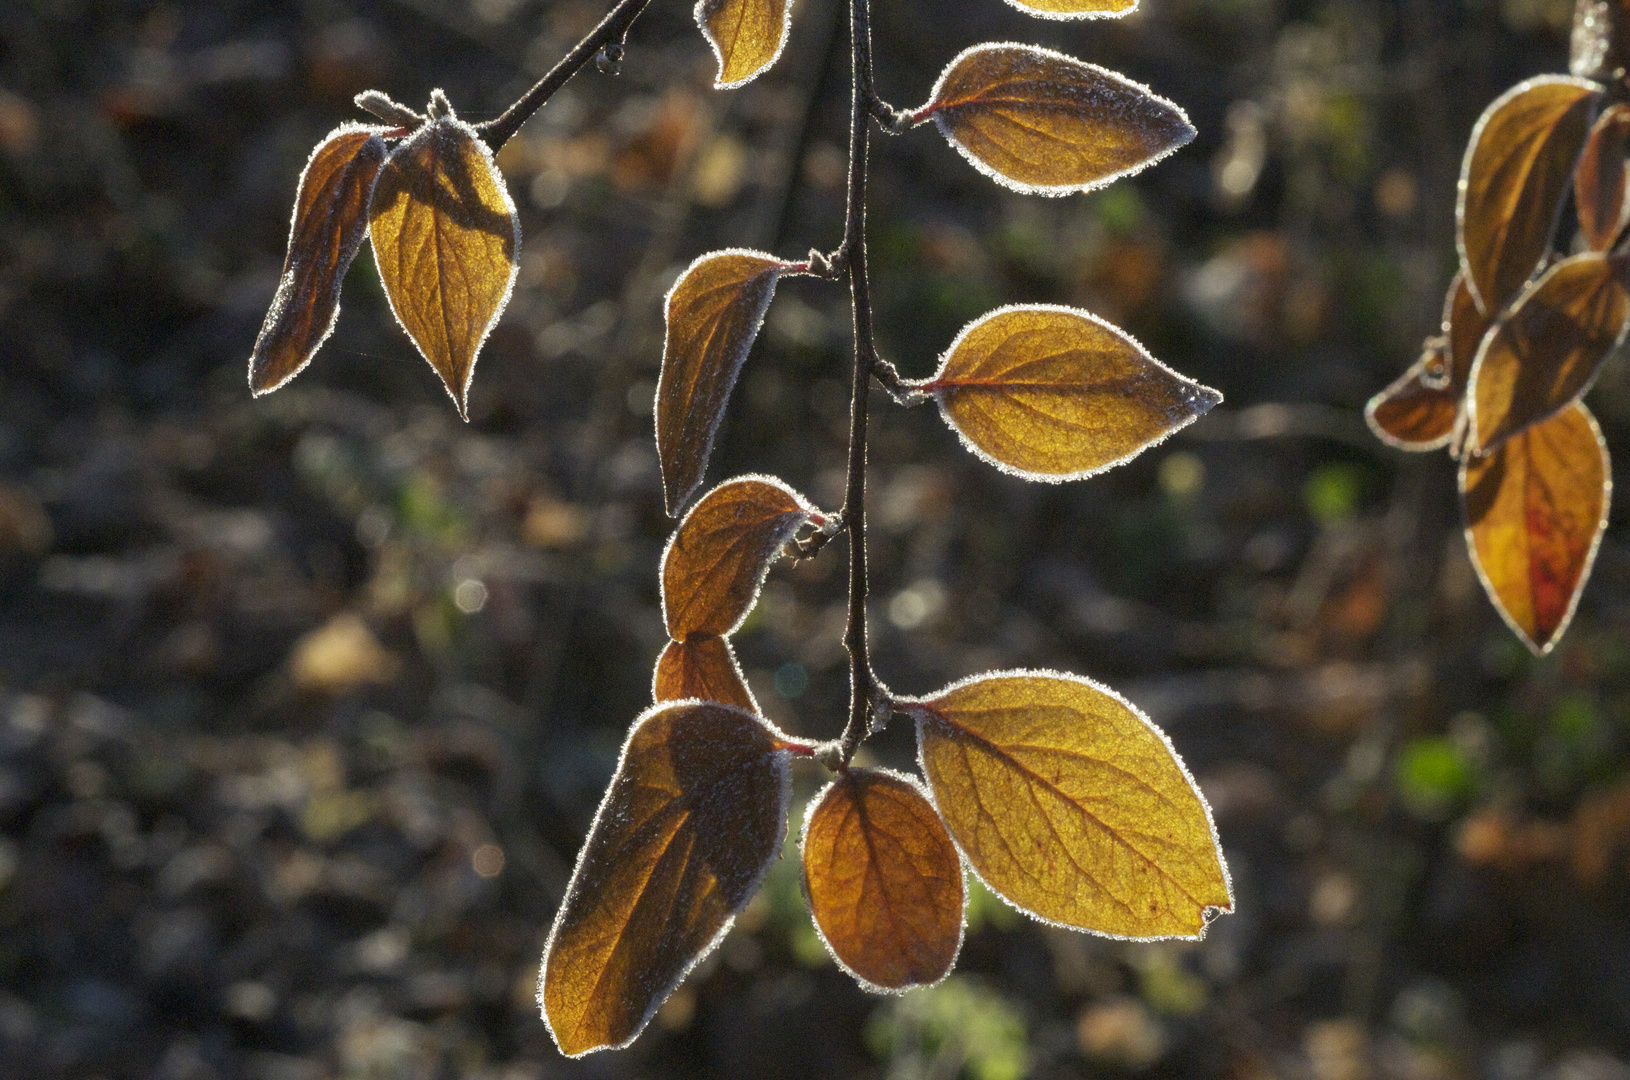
(702, 666)
(747, 36)
(1075, 9)
(1598, 182)
(692, 820)
(1419, 411)
(1054, 393)
(1518, 164)
(1549, 348)
(1042, 122)
(446, 239)
(1068, 802)
(1535, 511)
(884, 881)
(330, 222)
(717, 559)
(714, 311)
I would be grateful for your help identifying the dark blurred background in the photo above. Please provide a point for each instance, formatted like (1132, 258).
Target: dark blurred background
(306, 702)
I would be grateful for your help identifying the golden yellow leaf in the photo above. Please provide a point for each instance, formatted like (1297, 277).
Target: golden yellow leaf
(747, 36)
(693, 818)
(446, 239)
(1421, 409)
(1076, 9)
(702, 666)
(717, 559)
(1549, 347)
(1042, 122)
(1054, 393)
(330, 222)
(1068, 802)
(714, 311)
(1535, 511)
(1598, 182)
(883, 879)
(1518, 164)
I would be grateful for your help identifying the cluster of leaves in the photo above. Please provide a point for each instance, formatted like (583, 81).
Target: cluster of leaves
(1528, 324)
(1056, 791)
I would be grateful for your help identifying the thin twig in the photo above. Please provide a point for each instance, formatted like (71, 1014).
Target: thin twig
(611, 32)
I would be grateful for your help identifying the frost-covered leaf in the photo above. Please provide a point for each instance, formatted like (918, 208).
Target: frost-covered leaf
(1069, 803)
(1043, 122)
(1549, 348)
(702, 666)
(1420, 409)
(1535, 511)
(1518, 164)
(1598, 182)
(718, 557)
(884, 881)
(1054, 393)
(692, 820)
(1076, 9)
(330, 223)
(446, 239)
(714, 311)
(747, 36)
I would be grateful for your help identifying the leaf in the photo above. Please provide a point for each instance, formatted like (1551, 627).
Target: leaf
(1535, 511)
(717, 559)
(702, 666)
(714, 311)
(1041, 122)
(1420, 410)
(1076, 9)
(446, 238)
(1549, 348)
(747, 36)
(330, 222)
(1054, 393)
(1598, 182)
(1068, 802)
(1518, 164)
(884, 881)
(692, 820)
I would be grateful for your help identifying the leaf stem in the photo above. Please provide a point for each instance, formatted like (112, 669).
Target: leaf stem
(611, 32)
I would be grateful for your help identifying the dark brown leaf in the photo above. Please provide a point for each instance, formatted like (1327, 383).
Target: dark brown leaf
(1535, 511)
(714, 311)
(692, 820)
(1598, 182)
(1548, 349)
(446, 239)
(702, 666)
(330, 222)
(884, 880)
(1421, 410)
(717, 559)
(1518, 165)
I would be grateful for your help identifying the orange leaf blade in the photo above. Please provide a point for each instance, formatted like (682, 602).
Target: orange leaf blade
(1422, 407)
(1535, 511)
(1075, 9)
(1598, 182)
(1068, 802)
(1518, 163)
(330, 223)
(1549, 348)
(690, 824)
(717, 559)
(747, 36)
(714, 311)
(1045, 123)
(446, 240)
(884, 880)
(1054, 393)
(702, 666)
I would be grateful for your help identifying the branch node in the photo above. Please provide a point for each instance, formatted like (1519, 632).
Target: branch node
(891, 120)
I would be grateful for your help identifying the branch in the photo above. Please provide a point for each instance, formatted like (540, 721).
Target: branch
(609, 35)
